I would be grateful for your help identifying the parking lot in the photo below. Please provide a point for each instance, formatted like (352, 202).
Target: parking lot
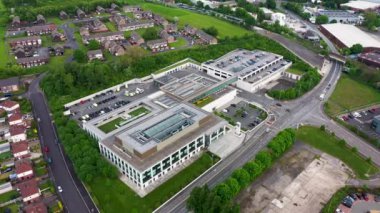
(110, 100)
(360, 202)
(247, 114)
(362, 120)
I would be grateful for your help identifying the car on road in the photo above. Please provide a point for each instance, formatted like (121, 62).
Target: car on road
(7, 170)
(60, 189)
(49, 160)
(278, 104)
(46, 149)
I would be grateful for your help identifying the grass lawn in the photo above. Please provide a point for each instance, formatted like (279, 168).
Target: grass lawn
(330, 145)
(119, 196)
(295, 71)
(40, 171)
(5, 155)
(197, 20)
(141, 31)
(350, 94)
(8, 196)
(58, 61)
(4, 49)
(139, 111)
(12, 207)
(110, 126)
(204, 101)
(179, 43)
(111, 26)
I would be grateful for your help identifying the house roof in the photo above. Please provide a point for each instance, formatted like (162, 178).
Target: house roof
(32, 59)
(41, 28)
(28, 188)
(17, 130)
(39, 207)
(19, 147)
(9, 82)
(157, 41)
(23, 166)
(94, 52)
(15, 117)
(9, 104)
(30, 38)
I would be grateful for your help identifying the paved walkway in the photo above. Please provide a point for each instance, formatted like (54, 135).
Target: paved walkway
(226, 144)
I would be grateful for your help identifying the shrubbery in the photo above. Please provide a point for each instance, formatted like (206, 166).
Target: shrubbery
(219, 199)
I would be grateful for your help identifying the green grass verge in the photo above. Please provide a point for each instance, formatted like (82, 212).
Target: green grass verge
(5, 155)
(111, 26)
(13, 208)
(295, 71)
(119, 196)
(180, 42)
(197, 20)
(139, 111)
(8, 196)
(336, 199)
(350, 94)
(41, 171)
(110, 126)
(331, 145)
(204, 101)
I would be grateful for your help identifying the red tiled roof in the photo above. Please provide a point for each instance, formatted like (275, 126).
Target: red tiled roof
(17, 130)
(8, 103)
(39, 207)
(28, 188)
(23, 166)
(19, 146)
(15, 117)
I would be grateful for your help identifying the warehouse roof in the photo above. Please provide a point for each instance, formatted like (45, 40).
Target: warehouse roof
(350, 35)
(361, 5)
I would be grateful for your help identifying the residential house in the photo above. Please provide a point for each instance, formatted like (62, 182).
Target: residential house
(189, 30)
(19, 52)
(9, 105)
(311, 36)
(17, 133)
(135, 25)
(114, 6)
(15, 119)
(159, 20)
(136, 39)
(40, 29)
(16, 22)
(57, 50)
(158, 45)
(63, 15)
(57, 36)
(119, 19)
(95, 54)
(84, 31)
(100, 9)
(40, 19)
(80, 14)
(171, 28)
(38, 207)
(29, 190)
(97, 26)
(206, 38)
(34, 41)
(24, 169)
(5, 187)
(33, 61)
(165, 35)
(131, 8)
(20, 149)
(107, 36)
(9, 85)
(114, 48)
(143, 14)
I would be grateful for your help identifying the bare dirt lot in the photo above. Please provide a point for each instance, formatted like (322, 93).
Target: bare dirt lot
(302, 181)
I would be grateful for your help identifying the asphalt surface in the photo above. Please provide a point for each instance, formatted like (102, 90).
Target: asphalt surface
(74, 196)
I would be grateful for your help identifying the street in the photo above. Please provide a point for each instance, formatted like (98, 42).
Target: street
(74, 196)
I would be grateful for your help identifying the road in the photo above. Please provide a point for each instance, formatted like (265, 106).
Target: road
(74, 196)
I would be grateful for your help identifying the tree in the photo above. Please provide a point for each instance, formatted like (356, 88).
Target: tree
(80, 56)
(93, 45)
(150, 34)
(224, 192)
(322, 127)
(371, 20)
(271, 4)
(322, 19)
(211, 31)
(234, 185)
(356, 49)
(253, 168)
(242, 177)
(264, 158)
(199, 4)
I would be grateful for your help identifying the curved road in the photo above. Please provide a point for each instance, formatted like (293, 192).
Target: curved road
(74, 196)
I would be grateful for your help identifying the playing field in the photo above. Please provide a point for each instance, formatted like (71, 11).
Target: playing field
(196, 20)
(350, 94)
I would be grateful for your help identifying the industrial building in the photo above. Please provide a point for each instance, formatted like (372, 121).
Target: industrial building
(362, 6)
(346, 35)
(341, 16)
(251, 69)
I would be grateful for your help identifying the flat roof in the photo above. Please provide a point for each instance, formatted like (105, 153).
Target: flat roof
(350, 35)
(361, 5)
(338, 13)
(371, 56)
(242, 62)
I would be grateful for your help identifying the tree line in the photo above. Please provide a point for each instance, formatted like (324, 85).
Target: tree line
(220, 198)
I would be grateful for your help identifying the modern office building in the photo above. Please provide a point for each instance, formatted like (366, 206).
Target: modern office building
(252, 69)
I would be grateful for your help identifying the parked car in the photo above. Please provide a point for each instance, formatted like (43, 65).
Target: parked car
(60, 189)
(359, 195)
(278, 104)
(365, 196)
(353, 196)
(377, 198)
(233, 105)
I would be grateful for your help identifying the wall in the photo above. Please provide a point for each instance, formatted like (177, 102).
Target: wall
(217, 103)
